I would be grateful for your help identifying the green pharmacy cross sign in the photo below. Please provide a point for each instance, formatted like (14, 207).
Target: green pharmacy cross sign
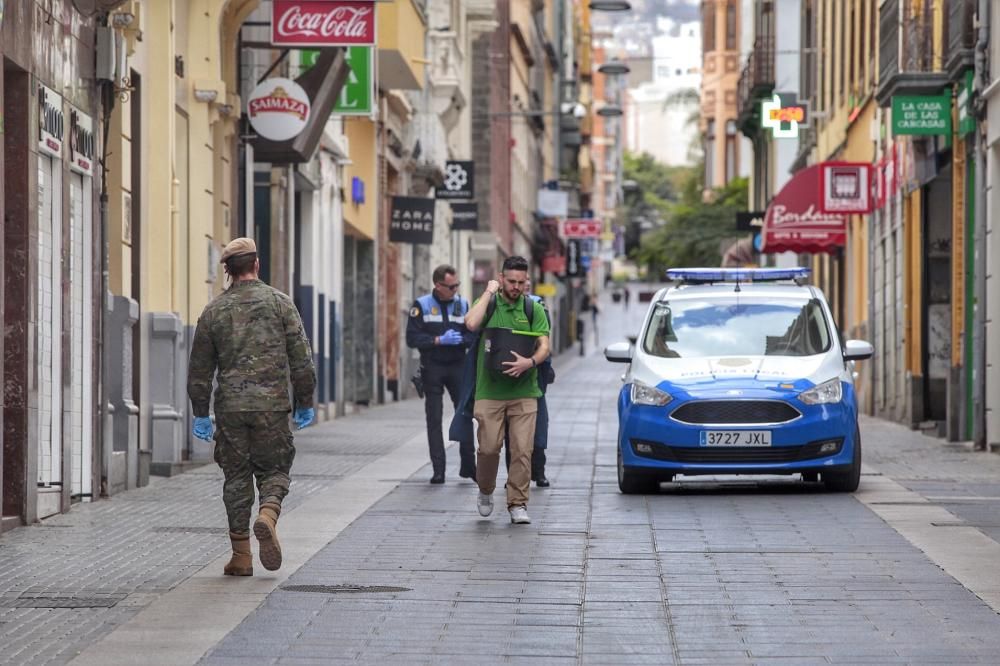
(925, 115)
(356, 96)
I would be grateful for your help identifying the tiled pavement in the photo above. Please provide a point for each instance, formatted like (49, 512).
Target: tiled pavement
(703, 573)
(122, 552)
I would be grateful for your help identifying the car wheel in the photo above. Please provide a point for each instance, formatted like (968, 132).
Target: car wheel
(846, 482)
(634, 483)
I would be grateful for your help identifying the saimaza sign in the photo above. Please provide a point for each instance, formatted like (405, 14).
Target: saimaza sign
(323, 23)
(278, 109)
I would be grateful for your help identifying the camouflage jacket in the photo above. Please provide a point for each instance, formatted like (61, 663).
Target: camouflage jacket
(253, 335)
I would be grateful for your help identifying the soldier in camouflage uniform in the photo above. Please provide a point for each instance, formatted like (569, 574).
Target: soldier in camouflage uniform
(253, 336)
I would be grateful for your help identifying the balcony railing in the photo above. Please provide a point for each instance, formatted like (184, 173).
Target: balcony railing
(906, 52)
(756, 81)
(961, 37)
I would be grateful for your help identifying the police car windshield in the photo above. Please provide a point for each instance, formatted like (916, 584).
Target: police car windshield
(692, 328)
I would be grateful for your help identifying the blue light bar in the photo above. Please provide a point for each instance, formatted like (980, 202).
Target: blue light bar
(736, 274)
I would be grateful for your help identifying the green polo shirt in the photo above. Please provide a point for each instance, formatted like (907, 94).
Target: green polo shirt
(491, 385)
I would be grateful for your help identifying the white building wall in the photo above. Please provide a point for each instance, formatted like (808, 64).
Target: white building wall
(656, 122)
(788, 19)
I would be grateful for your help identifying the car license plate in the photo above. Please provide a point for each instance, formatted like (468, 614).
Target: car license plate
(735, 438)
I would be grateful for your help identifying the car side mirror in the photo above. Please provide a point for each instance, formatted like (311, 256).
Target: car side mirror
(858, 350)
(618, 352)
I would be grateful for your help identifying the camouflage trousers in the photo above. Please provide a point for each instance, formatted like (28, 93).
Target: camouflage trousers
(252, 446)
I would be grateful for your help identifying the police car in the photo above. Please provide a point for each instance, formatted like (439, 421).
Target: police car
(738, 371)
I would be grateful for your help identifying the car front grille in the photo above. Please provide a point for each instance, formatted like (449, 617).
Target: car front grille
(733, 454)
(735, 412)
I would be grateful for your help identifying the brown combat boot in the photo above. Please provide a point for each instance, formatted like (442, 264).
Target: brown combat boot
(241, 563)
(265, 529)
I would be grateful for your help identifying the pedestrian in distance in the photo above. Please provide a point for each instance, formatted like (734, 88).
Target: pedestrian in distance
(436, 327)
(594, 311)
(581, 329)
(626, 295)
(250, 340)
(546, 375)
(506, 396)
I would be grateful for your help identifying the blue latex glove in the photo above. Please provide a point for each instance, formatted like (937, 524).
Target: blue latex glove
(451, 337)
(203, 428)
(303, 416)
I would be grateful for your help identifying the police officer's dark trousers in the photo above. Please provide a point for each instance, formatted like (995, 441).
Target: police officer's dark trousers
(438, 377)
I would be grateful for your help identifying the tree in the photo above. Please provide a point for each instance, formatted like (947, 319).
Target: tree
(656, 187)
(693, 226)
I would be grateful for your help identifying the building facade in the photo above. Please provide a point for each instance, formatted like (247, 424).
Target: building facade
(52, 259)
(722, 144)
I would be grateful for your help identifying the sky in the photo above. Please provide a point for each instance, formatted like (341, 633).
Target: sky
(647, 11)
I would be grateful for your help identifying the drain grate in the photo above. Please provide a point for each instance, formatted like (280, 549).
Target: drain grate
(43, 601)
(191, 530)
(344, 589)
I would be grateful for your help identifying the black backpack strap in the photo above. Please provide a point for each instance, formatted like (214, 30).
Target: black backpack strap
(491, 307)
(529, 310)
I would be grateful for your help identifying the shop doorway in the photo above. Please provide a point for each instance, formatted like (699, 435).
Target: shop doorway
(17, 102)
(936, 287)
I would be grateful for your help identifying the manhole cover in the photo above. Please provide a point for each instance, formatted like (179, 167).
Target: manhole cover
(191, 530)
(344, 589)
(61, 602)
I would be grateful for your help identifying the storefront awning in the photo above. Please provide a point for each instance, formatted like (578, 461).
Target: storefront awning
(794, 221)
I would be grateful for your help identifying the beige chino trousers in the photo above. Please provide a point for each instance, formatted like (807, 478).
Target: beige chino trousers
(519, 417)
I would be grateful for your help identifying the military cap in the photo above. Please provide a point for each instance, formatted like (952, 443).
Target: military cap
(238, 247)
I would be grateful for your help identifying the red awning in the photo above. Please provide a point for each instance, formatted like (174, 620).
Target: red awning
(794, 222)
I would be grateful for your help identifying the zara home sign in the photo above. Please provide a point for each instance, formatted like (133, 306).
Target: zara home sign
(323, 22)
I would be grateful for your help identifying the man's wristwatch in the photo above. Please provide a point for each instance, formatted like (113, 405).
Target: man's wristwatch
(533, 364)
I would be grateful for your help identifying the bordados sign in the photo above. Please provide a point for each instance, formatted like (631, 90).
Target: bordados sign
(278, 109)
(323, 22)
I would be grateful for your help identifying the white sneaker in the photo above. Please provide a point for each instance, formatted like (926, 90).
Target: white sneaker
(519, 515)
(484, 504)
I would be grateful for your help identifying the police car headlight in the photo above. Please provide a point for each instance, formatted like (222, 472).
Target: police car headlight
(823, 394)
(644, 394)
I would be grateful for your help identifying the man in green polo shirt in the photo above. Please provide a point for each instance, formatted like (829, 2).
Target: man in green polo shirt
(507, 399)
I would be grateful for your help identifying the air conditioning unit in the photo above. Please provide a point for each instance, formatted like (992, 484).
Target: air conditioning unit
(107, 62)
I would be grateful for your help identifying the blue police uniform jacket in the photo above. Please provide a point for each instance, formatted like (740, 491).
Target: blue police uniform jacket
(430, 318)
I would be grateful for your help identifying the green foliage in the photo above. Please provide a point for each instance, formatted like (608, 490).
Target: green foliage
(693, 227)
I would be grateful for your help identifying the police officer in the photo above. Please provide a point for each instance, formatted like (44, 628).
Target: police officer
(250, 339)
(437, 328)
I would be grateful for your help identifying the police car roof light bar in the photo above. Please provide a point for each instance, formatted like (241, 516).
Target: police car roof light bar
(707, 275)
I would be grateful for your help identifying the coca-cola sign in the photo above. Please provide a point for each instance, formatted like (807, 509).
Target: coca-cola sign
(323, 23)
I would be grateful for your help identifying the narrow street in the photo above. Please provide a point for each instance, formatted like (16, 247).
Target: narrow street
(380, 566)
